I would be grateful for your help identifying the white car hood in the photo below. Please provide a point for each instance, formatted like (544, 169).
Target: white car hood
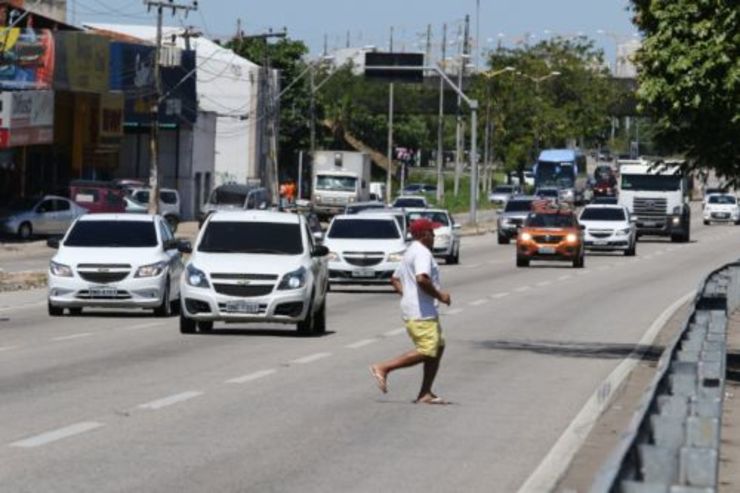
(387, 246)
(73, 256)
(605, 224)
(244, 263)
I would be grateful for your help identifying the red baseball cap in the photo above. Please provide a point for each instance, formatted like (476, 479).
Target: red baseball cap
(420, 226)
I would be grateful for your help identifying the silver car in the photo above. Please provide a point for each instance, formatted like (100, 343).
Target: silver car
(47, 215)
(502, 193)
(512, 216)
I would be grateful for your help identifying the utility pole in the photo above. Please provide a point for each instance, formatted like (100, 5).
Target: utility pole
(159, 5)
(428, 54)
(459, 152)
(190, 32)
(440, 123)
(389, 174)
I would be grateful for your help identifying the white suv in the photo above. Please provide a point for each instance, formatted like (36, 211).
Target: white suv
(721, 207)
(608, 227)
(364, 248)
(255, 266)
(116, 261)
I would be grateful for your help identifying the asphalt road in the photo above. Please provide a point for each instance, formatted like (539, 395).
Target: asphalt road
(124, 402)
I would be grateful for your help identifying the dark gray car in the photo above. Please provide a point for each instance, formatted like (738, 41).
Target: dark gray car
(512, 216)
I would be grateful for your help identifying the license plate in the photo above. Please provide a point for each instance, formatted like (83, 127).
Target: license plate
(241, 306)
(648, 224)
(546, 250)
(600, 242)
(363, 273)
(103, 292)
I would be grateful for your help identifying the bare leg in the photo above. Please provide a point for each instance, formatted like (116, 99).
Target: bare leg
(431, 365)
(407, 359)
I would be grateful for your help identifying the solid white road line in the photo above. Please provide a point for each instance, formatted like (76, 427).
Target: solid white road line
(498, 296)
(54, 435)
(168, 401)
(479, 302)
(362, 343)
(73, 336)
(552, 467)
(395, 332)
(251, 376)
(311, 358)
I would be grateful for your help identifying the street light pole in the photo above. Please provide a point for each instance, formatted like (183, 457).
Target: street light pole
(440, 125)
(389, 182)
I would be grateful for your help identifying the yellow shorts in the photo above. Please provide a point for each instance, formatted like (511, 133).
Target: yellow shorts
(427, 336)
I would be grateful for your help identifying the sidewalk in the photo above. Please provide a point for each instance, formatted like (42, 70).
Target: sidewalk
(729, 450)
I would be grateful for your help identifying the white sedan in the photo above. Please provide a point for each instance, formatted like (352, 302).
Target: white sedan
(446, 232)
(721, 207)
(608, 227)
(116, 261)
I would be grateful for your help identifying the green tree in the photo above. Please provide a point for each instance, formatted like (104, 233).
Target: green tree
(689, 79)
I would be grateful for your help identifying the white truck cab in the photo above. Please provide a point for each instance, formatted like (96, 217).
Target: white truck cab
(656, 194)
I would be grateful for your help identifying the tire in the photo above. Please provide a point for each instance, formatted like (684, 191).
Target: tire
(706, 223)
(55, 311)
(503, 240)
(75, 311)
(165, 308)
(205, 326)
(173, 222)
(306, 327)
(25, 231)
(579, 262)
(320, 319)
(187, 325)
(454, 257)
(522, 262)
(631, 251)
(175, 306)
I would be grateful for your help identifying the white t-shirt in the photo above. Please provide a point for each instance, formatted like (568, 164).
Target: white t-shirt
(415, 303)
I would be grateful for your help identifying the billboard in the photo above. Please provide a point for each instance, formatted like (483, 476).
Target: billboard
(27, 58)
(26, 118)
(81, 62)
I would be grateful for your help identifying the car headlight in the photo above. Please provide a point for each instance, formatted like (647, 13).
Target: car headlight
(571, 238)
(317, 198)
(333, 257)
(294, 280)
(525, 237)
(623, 232)
(395, 256)
(676, 220)
(677, 209)
(151, 270)
(442, 238)
(196, 277)
(60, 270)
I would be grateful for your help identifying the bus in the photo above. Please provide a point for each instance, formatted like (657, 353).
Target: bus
(564, 169)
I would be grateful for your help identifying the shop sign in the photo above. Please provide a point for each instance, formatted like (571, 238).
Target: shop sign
(26, 118)
(82, 62)
(26, 58)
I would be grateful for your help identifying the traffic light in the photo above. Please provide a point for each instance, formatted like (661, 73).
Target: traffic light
(407, 61)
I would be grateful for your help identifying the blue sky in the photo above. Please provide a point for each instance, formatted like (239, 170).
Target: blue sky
(369, 22)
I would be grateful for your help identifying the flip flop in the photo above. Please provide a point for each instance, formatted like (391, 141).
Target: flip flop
(434, 401)
(380, 380)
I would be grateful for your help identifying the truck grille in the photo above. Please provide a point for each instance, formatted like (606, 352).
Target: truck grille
(645, 207)
(243, 291)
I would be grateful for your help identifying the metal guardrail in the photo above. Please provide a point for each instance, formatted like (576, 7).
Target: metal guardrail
(672, 442)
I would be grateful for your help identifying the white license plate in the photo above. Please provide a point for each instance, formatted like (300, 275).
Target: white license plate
(648, 224)
(363, 273)
(241, 306)
(600, 242)
(546, 250)
(103, 292)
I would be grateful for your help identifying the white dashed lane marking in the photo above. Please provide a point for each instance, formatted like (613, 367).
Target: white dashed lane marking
(144, 326)
(362, 343)
(522, 289)
(54, 435)
(168, 401)
(7, 348)
(471, 266)
(544, 283)
(454, 311)
(479, 302)
(565, 277)
(251, 376)
(395, 332)
(73, 336)
(311, 358)
(500, 295)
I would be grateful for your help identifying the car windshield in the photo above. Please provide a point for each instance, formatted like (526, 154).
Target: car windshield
(550, 220)
(722, 199)
(602, 214)
(114, 234)
(365, 229)
(228, 197)
(434, 216)
(518, 206)
(409, 202)
(252, 237)
(503, 189)
(651, 183)
(340, 183)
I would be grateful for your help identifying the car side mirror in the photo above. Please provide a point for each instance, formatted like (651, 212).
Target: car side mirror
(320, 251)
(409, 237)
(53, 243)
(184, 246)
(456, 226)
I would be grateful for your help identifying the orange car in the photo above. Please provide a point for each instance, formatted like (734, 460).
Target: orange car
(550, 233)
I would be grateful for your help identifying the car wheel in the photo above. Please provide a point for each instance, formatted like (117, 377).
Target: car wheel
(306, 326)
(25, 231)
(503, 240)
(631, 251)
(579, 262)
(522, 262)
(165, 308)
(320, 319)
(706, 223)
(457, 255)
(205, 326)
(55, 311)
(187, 325)
(173, 222)
(75, 311)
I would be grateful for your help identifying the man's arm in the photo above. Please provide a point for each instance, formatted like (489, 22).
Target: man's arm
(426, 285)
(396, 283)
